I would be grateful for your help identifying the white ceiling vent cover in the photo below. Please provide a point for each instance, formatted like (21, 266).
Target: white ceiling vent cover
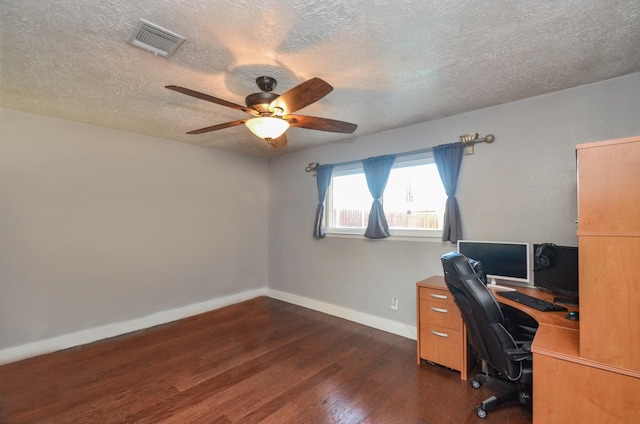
(155, 39)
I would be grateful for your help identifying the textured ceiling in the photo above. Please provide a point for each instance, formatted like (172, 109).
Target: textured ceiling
(392, 63)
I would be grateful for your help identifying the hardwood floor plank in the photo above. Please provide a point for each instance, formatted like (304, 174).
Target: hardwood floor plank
(257, 415)
(260, 361)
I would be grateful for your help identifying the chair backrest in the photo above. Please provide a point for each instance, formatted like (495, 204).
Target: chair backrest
(481, 315)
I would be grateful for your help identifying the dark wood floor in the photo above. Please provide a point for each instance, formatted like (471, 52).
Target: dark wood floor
(261, 361)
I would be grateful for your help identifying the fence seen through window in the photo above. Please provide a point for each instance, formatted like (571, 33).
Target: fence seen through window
(413, 200)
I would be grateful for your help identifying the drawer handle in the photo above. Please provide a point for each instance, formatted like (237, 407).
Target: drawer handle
(439, 334)
(439, 296)
(441, 310)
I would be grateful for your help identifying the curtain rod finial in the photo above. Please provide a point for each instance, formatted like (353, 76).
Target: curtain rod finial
(312, 167)
(470, 139)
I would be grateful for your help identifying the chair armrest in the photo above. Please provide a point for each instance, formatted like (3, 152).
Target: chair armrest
(520, 354)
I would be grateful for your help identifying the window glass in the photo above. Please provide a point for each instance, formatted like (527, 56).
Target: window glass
(413, 200)
(350, 202)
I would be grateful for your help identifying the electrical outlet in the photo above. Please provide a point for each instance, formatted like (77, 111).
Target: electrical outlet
(394, 303)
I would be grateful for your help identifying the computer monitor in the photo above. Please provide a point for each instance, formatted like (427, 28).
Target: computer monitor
(500, 260)
(556, 269)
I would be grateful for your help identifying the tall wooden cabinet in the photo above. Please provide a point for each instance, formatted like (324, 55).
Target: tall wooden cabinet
(594, 375)
(609, 249)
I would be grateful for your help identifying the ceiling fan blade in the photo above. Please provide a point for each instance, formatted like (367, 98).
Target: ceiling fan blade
(281, 141)
(218, 127)
(301, 95)
(321, 124)
(207, 97)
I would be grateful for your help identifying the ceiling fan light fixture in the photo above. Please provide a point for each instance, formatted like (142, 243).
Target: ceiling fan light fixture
(267, 127)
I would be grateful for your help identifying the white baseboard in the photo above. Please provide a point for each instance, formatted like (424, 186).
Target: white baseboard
(79, 338)
(66, 341)
(394, 327)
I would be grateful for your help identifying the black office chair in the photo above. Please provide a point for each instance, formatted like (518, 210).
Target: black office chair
(508, 361)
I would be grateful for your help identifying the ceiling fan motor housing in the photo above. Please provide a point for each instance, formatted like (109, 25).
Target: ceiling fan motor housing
(260, 101)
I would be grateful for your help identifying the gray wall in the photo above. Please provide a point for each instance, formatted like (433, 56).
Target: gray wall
(100, 226)
(520, 188)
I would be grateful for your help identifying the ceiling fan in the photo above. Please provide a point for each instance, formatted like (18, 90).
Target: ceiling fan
(271, 114)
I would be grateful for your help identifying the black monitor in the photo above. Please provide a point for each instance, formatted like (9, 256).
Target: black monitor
(556, 269)
(500, 260)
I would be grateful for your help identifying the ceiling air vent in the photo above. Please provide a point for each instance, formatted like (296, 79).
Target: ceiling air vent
(155, 39)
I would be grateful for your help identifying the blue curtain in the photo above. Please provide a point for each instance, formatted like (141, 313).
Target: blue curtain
(323, 179)
(448, 158)
(377, 170)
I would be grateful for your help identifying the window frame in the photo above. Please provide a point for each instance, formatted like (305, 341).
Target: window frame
(351, 168)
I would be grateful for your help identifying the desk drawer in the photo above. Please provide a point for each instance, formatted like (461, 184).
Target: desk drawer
(441, 345)
(437, 295)
(441, 314)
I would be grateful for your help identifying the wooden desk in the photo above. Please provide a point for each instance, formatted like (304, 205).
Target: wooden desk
(567, 387)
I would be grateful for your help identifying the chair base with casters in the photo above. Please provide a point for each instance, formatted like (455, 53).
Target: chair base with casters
(510, 393)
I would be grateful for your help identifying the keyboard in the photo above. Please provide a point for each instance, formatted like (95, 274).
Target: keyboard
(534, 302)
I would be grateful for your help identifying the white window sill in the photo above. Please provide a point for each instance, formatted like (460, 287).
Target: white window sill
(419, 239)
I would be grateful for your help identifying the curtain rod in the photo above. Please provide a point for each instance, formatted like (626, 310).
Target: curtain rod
(312, 166)
(467, 139)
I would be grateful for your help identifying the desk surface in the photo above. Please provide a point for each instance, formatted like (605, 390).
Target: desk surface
(556, 335)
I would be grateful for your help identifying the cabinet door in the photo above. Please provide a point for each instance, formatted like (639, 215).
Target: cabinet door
(569, 392)
(609, 187)
(610, 300)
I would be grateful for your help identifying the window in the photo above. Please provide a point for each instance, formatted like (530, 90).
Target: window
(413, 200)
